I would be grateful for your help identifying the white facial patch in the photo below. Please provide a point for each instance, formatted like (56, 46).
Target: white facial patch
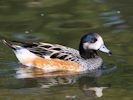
(94, 46)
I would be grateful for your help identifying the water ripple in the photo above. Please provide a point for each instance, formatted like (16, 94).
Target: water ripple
(113, 19)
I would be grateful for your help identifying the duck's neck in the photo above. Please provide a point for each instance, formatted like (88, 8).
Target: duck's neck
(87, 54)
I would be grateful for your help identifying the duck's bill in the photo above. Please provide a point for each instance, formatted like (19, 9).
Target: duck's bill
(104, 49)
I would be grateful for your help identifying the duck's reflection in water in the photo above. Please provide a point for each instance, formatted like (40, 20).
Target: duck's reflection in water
(87, 81)
(91, 88)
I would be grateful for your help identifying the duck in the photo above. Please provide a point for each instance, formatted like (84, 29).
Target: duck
(54, 57)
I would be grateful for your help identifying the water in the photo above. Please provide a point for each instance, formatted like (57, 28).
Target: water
(64, 22)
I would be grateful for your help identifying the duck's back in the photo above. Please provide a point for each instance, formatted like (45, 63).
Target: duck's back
(53, 51)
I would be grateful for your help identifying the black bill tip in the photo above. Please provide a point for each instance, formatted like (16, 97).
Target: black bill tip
(110, 53)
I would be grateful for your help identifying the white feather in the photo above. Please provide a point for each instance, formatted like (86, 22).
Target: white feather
(22, 54)
(94, 46)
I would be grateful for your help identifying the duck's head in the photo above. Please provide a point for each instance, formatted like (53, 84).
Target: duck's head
(90, 44)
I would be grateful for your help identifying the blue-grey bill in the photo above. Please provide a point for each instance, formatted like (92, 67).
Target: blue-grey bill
(103, 48)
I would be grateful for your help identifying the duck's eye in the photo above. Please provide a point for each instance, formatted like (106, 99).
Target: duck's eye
(93, 40)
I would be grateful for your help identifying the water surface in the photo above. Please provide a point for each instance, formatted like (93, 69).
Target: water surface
(64, 22)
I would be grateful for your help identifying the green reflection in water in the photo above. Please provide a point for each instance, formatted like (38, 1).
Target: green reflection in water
(64, 22)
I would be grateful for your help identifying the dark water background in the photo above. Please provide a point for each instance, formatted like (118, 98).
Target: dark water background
(64, 22)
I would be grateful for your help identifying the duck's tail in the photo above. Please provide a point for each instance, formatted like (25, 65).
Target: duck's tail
(9, 44)
(22, 54)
